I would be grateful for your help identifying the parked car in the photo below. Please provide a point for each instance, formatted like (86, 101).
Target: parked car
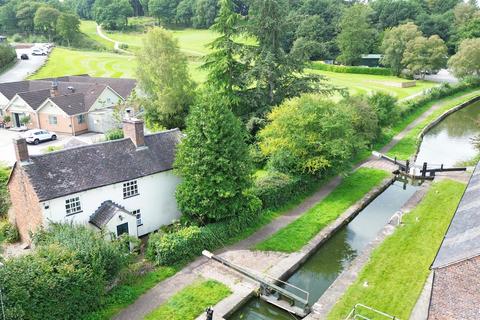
(24, 56)
(38, 52)
(36, 136)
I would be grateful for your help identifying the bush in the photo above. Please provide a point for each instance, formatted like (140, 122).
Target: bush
(17, 38)
(9, 232)
(52, 283)
(114, 134)
(275, 189)
(351, 69)
(385, 106)
(123, 46)
(189, 242)
(7, 55)
(89, 247)
(4, 195)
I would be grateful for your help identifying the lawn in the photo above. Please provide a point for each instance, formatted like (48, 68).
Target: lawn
(407, 146)
(125, 294)
(190, 302)
(364, 83)
(398, 268)
(89, 28)
(298, 233)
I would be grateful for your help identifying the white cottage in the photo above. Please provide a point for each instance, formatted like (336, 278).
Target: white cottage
(123, 186)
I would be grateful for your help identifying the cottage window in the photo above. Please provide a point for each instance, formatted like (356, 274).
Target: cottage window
(52, 119)
(138, 215)
(130, 189)
(81, 118)
(73, 206)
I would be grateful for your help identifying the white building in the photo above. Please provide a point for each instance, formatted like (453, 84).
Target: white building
(123, 186)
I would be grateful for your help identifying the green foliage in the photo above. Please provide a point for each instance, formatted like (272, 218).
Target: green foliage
(51, 149)
(68, 27)
(114, 134)
(214, 164)
(386, 108)
(191, 301)
(466, 62)
(112, 14)
(405, 250)
(4, 195)
(8, 232)
(424, 55)
(295, 129)
(45, 20)
(24, 120)
(394, 44)
(162, 71)
(294, 236)
(188, 242)
(275, 189)
(357, 35)
(88, 246)
(350, 69)
(51, 283)
(7, 55)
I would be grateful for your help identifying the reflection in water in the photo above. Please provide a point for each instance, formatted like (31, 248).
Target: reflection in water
(450, 142)
(321, 270)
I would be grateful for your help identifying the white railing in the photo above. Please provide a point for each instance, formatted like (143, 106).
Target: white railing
(355, 313)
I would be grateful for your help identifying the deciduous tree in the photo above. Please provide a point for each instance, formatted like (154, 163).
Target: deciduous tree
(68, 27)
(162, 72)
(424, 55)
(466, 62)
(45, 20)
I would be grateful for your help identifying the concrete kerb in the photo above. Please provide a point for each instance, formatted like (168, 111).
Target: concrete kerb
(439, 119)
(287, 266)
(332, 295)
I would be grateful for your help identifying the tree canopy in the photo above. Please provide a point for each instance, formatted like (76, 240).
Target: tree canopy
(466, 62)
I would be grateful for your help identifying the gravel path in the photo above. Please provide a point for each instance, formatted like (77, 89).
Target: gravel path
(116, 44)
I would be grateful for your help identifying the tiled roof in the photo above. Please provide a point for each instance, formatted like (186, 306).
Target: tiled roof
(105, 213)
(462, 240)
(69, 171)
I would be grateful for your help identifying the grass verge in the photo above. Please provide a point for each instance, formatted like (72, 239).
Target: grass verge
(125, 294)
(407, 146)
(89, 28)
(398, 268)
(190, 302)
(295, 235)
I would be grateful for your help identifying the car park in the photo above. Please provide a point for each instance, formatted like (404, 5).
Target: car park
(38, 52)
(36, 136)
(24, 56)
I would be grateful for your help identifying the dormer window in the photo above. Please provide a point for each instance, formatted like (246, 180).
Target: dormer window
(73, 206)
(130, 189)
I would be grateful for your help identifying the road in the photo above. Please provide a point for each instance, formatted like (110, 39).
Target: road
(23, 68)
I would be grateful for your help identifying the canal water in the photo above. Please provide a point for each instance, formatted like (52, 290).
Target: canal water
(321, 270)
(449, 142)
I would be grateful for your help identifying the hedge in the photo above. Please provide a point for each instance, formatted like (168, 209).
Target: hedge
(351, 69)
(7, 55)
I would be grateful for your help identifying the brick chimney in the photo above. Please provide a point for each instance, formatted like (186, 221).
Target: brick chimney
(21, 149)
(133, 129)
(54, 89)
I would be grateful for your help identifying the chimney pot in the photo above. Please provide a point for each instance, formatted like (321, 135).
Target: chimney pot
(54, 89)
(21, 149)
(133, 129)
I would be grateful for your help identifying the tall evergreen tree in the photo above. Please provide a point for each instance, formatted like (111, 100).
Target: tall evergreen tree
(214, 164)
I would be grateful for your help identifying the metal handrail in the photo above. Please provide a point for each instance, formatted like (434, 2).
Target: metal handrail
(356, 316)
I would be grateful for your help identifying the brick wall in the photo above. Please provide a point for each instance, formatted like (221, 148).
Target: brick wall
(63, 123)
(456, 292)
(26, 212)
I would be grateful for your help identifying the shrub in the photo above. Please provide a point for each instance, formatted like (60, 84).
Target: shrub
(9, 232)
(4, 196)
(89, 247)
(7, 118)
(123, 46)
(351, 69)
(17, 38)
(25, 120)
(275, 189)
(385, 106)
(114, 134)
(189, 242)
(52, 283)
(7, 55)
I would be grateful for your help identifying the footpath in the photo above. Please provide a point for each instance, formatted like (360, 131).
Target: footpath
(240, 252)
(116, 44)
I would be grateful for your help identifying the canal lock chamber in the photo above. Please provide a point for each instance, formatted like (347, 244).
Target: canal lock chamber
(335, 255)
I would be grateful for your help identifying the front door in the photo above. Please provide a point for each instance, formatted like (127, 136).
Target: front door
(16, 120)
(122, 228)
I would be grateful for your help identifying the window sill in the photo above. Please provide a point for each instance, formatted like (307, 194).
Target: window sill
(132, 196)
(72, 214)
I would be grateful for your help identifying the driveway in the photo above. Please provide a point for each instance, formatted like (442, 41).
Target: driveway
(7, 154)
(23, 68)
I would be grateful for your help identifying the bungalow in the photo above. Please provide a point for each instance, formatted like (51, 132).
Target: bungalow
(122, 186)
(72, 105)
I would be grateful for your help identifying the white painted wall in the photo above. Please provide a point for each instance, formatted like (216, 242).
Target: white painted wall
(107, 99)
(156, 201)
(3, 103)
(18, 105)
(101, 120)
(50, 108)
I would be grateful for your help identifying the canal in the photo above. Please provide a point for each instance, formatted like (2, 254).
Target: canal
(448, 143)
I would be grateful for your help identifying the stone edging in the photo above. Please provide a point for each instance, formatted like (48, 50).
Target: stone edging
(286, 267)
(439, 119)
